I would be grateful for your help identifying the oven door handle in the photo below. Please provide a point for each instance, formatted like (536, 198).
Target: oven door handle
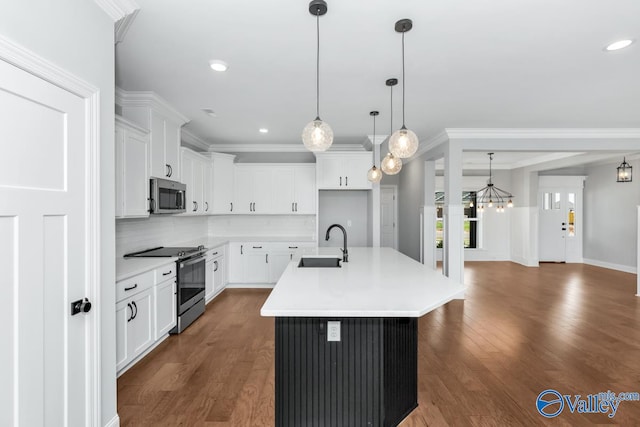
(192, 261)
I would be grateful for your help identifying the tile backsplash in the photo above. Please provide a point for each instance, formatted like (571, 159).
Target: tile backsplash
(137, 234)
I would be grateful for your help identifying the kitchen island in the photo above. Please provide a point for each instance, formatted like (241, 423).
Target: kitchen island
(347, 337)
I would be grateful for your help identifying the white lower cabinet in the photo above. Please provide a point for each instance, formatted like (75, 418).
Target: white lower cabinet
(262, 262)
(145, 312)
(135, 327)
(166, 316)
(215, 280)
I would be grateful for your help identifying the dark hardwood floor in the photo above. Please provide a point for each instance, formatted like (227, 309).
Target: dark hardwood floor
(482, 361)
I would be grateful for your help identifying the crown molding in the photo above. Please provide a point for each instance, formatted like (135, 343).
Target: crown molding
(148, 99)
(193, 141)
(123, 25)
(276, 148)
(543, 133)
(430, 144)
(117, 9)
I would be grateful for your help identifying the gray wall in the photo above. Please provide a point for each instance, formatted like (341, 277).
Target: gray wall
(339, 207)
(77, 36)
(610, 216)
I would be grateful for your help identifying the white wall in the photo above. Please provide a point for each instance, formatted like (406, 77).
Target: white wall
(263, 225)
(78, 36)
(610, 217)
(159, 230)
(340, 207)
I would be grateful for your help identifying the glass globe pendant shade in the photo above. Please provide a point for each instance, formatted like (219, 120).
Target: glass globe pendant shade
(374, 175)
(317, 135)
(391, 165)
(403, 143)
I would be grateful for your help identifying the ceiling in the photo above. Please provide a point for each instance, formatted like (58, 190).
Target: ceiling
(491, 64)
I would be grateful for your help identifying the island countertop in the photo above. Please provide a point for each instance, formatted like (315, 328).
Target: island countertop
(376, 282)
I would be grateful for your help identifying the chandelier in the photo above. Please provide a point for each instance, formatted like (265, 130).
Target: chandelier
(490, 195)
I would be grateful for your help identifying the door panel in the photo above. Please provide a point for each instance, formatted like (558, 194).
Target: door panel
(305, 190)
(283, 194)
(45, 359)
(551, 217)
(387, 217)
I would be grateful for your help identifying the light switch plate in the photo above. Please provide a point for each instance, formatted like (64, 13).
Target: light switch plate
(333, 330)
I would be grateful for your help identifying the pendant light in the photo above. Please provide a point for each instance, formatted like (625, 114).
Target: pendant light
(492, 194)
(391, 164)
(403, 142)
(317, 135)
(374, 174)
(624, 171)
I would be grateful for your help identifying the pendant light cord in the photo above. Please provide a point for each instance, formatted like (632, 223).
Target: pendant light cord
(403, 79)
(490, 170)
(318, 64)
(391, 111)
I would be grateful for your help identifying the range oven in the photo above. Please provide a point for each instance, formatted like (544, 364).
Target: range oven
(167, 197)
(190, 289)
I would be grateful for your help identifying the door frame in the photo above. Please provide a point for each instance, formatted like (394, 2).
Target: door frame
(28, 61)
(394, 187)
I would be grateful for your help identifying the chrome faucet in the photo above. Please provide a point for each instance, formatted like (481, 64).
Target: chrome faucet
(345, 252)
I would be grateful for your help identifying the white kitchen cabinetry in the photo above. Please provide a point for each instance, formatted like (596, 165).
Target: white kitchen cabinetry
(253, 189)
(215, 280)
(196, 174)
(223, 178)
(132, 170)
(145, 312)
(343, 170)
(152, 112)
(262, 262)
(294, 189)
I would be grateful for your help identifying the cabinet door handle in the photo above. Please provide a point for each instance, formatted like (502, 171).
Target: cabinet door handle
(267, 258)
(293, 247)
(257, 247)
(168, 173)
(292, 209)
(167, 273)
(241, 246)
(340, 181)
(346, 181)
(296, 206)
(231, 206)
(194, 207)
(290, 256)
(132, 287)
(136, 307)
(130, 308)
(214, 254)
(215, 265)
(206, 204)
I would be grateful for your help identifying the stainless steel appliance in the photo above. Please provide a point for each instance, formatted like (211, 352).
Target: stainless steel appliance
(167, 197)
(190, 284)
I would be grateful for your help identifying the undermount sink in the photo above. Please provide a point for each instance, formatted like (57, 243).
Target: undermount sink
(319, 262)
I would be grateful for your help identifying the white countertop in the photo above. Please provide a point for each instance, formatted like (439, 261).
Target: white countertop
(376, 282)
(128, 267)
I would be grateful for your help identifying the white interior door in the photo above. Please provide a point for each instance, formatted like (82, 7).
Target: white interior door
(388, 217)
(46, 357)
(558, 213)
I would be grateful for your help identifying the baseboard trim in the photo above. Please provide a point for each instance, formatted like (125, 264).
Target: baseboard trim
(142, 355)
(250, 285)
(114, 422)
(611, 266)
(525, 262)
(459, 295)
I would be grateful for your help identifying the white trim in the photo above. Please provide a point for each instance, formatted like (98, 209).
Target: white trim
(611, 266)
(193, 141)
(278, 148)
(122, 26)
(394, 187)
(148, 99)
(543, 133)
(113, 422)
(429, 145)
(638, 251)
(130, 124)
(28, 61)
(117, 9)
(250, 285)
(379, 139)
(525, 262)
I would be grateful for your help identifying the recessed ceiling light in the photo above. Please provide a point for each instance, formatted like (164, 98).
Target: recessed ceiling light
(620, 44)
(210, 112)
(218, 65)
(264, 130)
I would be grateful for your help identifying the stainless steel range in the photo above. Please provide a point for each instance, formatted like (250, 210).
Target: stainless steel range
(190, 269)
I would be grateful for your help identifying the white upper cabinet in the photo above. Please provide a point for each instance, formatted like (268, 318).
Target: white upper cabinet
(253, 189)
(343, 170)
(197, 176)
(132, 170)
(164, 122)
(294, 189)
(222, 185)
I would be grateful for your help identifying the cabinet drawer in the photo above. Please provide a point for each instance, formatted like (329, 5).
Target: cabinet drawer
(253, 247)
(165, 272)
(134, 285)
(218, 251)
(291, 246)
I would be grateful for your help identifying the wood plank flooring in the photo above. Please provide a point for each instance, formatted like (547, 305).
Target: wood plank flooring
(482, 361)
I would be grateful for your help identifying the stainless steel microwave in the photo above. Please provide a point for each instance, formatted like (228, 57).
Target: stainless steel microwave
(167, 197)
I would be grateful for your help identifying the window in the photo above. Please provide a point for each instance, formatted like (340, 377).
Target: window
(470, 222)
